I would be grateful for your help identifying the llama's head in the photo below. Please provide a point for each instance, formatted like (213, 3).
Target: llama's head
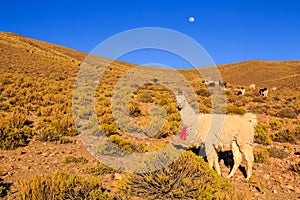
(180, 101)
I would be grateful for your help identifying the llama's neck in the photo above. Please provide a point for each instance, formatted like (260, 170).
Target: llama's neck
(190, 119)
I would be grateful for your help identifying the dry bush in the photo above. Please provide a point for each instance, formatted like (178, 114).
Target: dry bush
(261, 155)
(117, 145)
(61, 185)
(15, 129)
(276, 124)
(203, 92)
(261, 136)
(286, 135)
(295, 168)
(287, 113)
(4, 187)
(73, 159)
(144, 98)
(258, 100)
(277, 153)
(99, 169)
(235, 110)
(188, 177)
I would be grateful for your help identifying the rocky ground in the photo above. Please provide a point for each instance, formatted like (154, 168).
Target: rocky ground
(270, 181)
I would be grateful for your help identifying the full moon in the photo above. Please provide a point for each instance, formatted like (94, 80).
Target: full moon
(191, 19)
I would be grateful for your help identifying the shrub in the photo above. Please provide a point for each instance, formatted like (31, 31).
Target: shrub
(126, 144)
(99, 169)
(261, 155)
(189, 177)
(235, 110)
(64, 140)
(134, 109)
(144, 98)
(296, 168)
(287, 113)
(275, 124)
(121, 142)
(61, 185)
(109, 129)
(116, 145)
(55, 131)
(106, 147)
(4, 107)
(261, 136)
(277, 153)
(73, 159)
(13, 137)
(203, 92)
(258, 100)
(4, 187)
(285, 136)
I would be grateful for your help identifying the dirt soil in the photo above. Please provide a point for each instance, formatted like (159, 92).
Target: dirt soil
(270, 181)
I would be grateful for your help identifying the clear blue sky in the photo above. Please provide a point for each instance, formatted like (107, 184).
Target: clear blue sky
(230, 30)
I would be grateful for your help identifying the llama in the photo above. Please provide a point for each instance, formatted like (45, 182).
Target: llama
(264, 92)
(236, 134)
(222, 84)
(252, 86)
(209, 83)
(241, 91)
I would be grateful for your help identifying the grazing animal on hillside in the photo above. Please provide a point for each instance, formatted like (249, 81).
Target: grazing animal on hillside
(222, 84)
(209, 83)
(242, 91)
(155, 80)
(236, 134)
(252, 87)
(264, 92)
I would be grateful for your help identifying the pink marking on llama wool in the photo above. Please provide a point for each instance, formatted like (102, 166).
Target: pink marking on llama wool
(183, 133)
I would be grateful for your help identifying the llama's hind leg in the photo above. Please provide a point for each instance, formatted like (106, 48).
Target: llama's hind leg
(247, 151)
(237, 157)
(213, 161)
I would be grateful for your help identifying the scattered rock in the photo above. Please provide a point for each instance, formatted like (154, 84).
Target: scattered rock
(53, 154)
(274, 191)
(276, 98)
(118, 176)
(266, 176)
(290, 187)
(26, 167)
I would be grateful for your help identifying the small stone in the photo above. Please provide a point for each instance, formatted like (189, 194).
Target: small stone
(274, 191)
(290, 187)
(266, 176)
(257, 194)
(118, 176)
(39, 152)
(26, 167)
(53, 154)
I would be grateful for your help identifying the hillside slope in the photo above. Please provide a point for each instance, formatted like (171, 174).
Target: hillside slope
(38, 135)
(263, 73)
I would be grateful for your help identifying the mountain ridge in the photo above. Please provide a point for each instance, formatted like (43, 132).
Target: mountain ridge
(260, 72)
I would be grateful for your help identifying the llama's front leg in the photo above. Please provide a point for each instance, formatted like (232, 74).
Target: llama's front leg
(237, 157)
(217, 166)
